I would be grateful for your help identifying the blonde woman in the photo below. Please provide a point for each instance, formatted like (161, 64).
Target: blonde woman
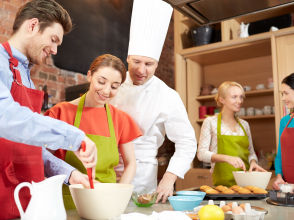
(225, 140)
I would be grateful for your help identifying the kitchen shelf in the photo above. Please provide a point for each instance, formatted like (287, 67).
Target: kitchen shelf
(253, 93)
(257, 45)
(247, 117)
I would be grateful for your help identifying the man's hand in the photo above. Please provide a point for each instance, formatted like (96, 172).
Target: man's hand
(166, 187)
(255, 167)
(278, 181)
(77, 177)
(89, 157)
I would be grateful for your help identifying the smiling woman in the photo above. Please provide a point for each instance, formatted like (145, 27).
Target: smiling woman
(284, 159)
(225, 140)
(104, 124)
(105, 76)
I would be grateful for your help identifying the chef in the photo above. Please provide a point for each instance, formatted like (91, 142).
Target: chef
(37, 31)
(156, 108)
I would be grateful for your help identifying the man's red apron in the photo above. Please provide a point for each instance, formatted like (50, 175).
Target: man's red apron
(287, 150)
(19, 162)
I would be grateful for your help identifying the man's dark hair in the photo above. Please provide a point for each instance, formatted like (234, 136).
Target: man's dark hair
(46, 11)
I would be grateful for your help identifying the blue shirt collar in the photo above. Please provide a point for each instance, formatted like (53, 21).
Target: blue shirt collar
(20, 57)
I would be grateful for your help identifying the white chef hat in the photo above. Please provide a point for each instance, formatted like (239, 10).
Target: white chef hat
(149, 25)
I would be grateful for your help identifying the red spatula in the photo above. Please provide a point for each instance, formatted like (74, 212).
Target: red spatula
(89, 170)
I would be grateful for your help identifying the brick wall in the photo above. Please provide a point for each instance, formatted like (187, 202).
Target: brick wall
(58, 79)
(165, 70)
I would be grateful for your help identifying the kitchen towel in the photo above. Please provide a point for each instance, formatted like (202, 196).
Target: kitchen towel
(165, 215)
(136, 216)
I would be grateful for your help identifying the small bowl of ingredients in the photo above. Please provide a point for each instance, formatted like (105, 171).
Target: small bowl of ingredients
(144, 199)
(191, 214)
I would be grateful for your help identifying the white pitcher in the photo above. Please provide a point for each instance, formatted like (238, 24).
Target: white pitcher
(46, 202)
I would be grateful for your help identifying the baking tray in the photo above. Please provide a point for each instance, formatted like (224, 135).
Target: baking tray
(232, 196)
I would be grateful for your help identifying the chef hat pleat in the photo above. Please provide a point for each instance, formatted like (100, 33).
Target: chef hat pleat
(149, 25)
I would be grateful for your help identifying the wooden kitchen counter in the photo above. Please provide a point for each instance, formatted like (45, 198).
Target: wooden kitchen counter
(274, 212)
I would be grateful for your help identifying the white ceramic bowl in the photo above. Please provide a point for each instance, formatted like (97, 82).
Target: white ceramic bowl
(105, 201)
(258, 179)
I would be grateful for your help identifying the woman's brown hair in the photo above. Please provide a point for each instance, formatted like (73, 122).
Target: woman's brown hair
(46, 11)
(108, 60)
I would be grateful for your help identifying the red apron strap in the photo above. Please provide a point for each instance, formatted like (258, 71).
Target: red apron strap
(289, 121)
(13, 62)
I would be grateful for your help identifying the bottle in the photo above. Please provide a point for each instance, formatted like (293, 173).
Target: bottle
(49, 102)
(45, 99)
(262, 161)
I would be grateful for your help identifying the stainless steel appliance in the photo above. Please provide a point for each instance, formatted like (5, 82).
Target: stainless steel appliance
(280, 199)
(74, 92)
(206, 12)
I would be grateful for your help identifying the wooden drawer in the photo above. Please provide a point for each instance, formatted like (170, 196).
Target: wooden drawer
(194, 178)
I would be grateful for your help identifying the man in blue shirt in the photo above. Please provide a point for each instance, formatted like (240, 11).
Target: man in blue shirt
(37, 31)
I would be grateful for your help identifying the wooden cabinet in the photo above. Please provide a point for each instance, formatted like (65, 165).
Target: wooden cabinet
(249, 61)
(194, 178)
(284, 46)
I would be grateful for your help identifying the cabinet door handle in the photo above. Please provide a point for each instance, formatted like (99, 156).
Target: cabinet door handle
(203, 177)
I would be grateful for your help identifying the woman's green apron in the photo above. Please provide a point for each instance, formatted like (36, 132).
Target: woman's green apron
(107, 155)
(236, 146)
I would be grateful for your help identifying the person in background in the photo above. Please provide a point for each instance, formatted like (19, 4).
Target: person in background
(156, 108)
(284, 160)
(104, 124)
(38, 29)
(225, 140)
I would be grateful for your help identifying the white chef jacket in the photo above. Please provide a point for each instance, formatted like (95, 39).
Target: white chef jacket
(157, 110)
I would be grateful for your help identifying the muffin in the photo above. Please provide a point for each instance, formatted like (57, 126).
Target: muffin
(260, 191)
(244, 191)
(228, 191)
(212, 191)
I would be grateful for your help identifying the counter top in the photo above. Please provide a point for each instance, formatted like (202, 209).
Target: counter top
(274, 212)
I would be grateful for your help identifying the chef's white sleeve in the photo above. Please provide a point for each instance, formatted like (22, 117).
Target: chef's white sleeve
(180, 131)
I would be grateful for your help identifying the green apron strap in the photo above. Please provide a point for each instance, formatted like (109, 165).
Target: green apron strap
(219, 123)
(110, 123)
(79, 111)
(241, 127)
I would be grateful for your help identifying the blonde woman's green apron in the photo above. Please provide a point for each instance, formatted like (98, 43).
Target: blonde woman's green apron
(107, 154)
(236, 146)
